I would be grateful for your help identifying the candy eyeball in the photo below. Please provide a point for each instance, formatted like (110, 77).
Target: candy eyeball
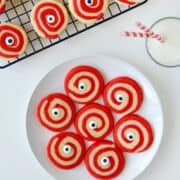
(82, 87)
(92, 125)
(50, 18)
(89, 2)
(119, 98)
(105, 161)
(130, 136)
(9, 40)
(55, 112)
(67, 149)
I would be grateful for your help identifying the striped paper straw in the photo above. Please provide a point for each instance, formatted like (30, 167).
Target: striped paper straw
(146, 29)
(135, 34)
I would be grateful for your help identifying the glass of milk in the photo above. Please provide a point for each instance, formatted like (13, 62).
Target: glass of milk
(167, 53)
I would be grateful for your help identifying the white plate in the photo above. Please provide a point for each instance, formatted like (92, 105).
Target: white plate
(38, 136)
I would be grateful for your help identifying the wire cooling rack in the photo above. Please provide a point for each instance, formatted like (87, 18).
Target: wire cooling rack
(18, 12)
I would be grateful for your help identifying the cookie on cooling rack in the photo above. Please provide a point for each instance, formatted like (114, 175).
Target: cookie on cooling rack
(49, 18)
(129, 2)
(13, 39)
(66, 150)
(88, 11)
(2, 5)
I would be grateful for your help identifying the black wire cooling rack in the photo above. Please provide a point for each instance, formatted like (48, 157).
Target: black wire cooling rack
(18, 12)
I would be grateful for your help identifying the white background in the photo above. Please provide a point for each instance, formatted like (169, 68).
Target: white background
(19, 81)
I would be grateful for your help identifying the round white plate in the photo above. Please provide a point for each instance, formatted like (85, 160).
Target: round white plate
(38, 136)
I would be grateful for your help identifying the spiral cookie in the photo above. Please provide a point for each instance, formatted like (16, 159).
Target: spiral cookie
(84, 84)
(49, 18)
(94, 122)
(88, 11)
(56, 112)
(133, 134)
(104, 160)
(2, 5)
(66, 150)
(13, 41)
(123, 95)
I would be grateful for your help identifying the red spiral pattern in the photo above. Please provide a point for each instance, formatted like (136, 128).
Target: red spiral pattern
(84, 84)
(104, 161)
(49, 18)
(88, 11)
(133, 134)
(66, 150)
(2, 5)
(56, 112)
(123, 95)
(13, 41)
(94, 122)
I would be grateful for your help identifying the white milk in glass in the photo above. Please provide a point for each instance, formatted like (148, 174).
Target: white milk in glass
(167, 53)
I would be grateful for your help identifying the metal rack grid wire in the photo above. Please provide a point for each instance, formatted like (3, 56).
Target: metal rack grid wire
(18, 12)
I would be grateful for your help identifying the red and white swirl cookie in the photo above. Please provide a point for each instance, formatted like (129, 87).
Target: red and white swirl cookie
(133, 134)
(88, 11)
(56, 112)
(94, 122)
(123, 95)
(104, 160)
(13, 41)
(49, 18)
(84, 84)
(66, 150)
(2, 5)
(129, 2)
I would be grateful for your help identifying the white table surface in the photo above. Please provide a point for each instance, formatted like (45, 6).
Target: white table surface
(18, 82)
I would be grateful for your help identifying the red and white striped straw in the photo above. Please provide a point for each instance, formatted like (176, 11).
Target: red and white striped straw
(135, 34)
(144, 28)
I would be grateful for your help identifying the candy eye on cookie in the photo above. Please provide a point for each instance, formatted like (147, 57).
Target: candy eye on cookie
(105, 161)
(89, 2)
(82, 86)
(92, 125)
(13, 40)
(56, 112)
(67, 149)
(50, 18)
(9, 40)
(119, 98)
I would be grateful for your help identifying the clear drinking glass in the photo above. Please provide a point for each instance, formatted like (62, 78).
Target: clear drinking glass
(168, 53)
